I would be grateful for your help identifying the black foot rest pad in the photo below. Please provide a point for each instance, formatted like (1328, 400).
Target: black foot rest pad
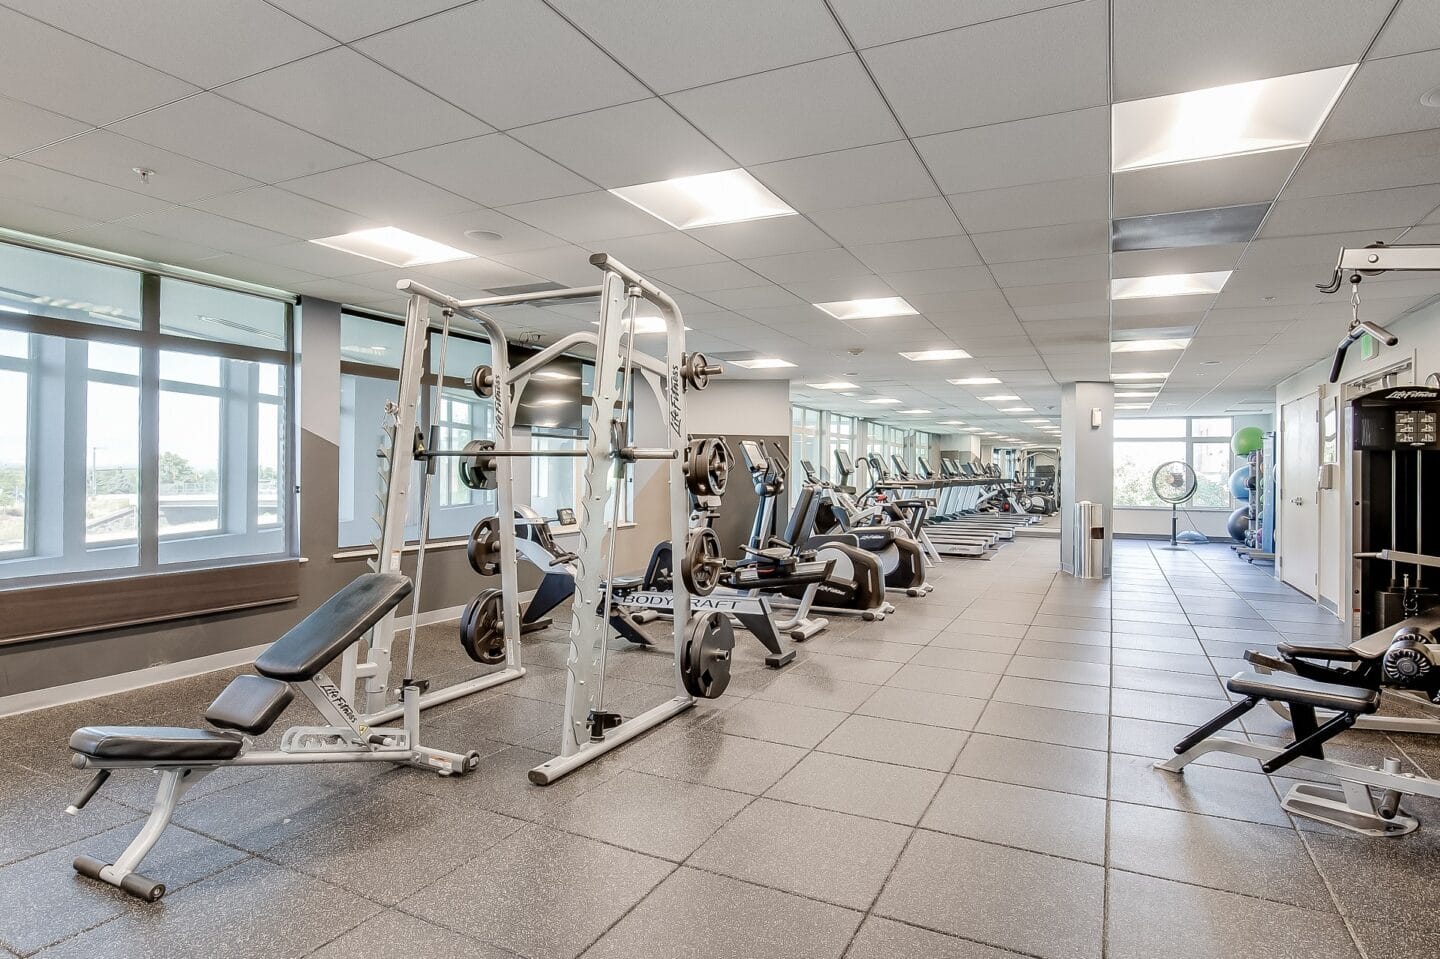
(337, 624)
(1295, 689)
(154, 743)
(1318, 651)
(250, 704)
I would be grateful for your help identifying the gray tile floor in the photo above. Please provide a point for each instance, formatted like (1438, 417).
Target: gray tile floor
(970, 779)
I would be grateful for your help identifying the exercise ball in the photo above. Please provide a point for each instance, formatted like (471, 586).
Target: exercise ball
(1247, 440)
(1238, 524)
(1240, 483)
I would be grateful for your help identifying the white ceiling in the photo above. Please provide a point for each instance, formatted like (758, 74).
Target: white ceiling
(956, 154)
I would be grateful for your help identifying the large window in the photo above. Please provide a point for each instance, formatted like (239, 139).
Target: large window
(1143, 445)
(144, 424)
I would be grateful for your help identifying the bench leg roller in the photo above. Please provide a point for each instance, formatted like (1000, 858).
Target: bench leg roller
(133, 883)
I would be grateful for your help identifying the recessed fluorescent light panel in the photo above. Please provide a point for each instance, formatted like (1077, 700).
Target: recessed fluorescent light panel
(1138, 376)
(1149, 346)
(396, 247)
(881, 401)
(1170, 284)
(870, 309)
(1133, 395)
(913, 412)
(763, 363)
(709, 199)
(1132, 406)
(836, 385)
(1169, 231)
(1018, 409)
(999, 398)
(975, 381)
(1033, 422)
(952, 422)
(554, 376)
(1221, 121)
(925, 356)
(551, 401)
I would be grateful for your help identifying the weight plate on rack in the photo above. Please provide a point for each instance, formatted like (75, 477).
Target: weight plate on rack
(482, 628)
(703, 564)
(478, 471)
(705, 660)
(483, 550)
(482, 381)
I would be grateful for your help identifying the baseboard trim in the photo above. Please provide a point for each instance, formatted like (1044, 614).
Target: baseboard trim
(52, 696)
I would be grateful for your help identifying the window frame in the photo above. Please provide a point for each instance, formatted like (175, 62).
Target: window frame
(149, 339)
(1190, 442)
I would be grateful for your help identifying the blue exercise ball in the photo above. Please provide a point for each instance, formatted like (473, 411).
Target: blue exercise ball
(1238, 524)
(1240, 483)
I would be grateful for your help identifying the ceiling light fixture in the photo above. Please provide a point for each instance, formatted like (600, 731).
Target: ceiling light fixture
(688, 202)
(1149, 346)
(554, 376)
(1132, 406)
(975, 381)
(1251, 117)
(1018, 409)
(925, 356)
(1138, 376)
(881, 401)
(868, 309)
(1133, 395)
(834, 385)
(952, 422)
(913, 412)
(763, 363)
(1032, 422)
(394, 246)
(551, 401)
(1170, 284)
(999, 398)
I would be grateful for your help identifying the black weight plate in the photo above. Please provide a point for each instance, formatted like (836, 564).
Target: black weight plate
(481, 547)
(705, 662)
(482, 632)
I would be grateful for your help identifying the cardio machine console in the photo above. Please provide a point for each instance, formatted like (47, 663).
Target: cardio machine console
(1402, 417)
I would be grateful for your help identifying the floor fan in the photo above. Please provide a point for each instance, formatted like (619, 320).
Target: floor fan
(1175, 483)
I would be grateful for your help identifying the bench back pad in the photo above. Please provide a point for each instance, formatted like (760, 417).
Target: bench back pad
(336, 625)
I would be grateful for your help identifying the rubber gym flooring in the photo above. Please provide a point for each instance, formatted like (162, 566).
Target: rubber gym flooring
(969, 779)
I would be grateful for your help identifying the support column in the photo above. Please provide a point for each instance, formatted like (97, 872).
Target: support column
(1087, 460)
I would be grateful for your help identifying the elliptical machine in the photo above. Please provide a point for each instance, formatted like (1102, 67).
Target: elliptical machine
(856, 584)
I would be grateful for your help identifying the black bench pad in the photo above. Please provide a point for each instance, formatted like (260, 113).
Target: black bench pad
(337, 624)
(1288, 688)
(154, 744)
(1318, 651)
(250, 704)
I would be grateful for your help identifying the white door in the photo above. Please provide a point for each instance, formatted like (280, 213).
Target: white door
(1298, 532)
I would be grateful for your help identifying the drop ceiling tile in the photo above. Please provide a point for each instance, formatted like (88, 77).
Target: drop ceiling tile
(872, 22)
(1205, 184)
(473, 277)
(770, 237)
(1318, 252)
(585, 217)
(1033, 204)
(347, 20)
(972, 301)
(334, 95)
(315, 259)
(284, 212)
(1383, 98)
(1162, 305)
(834, 289)
(235, 267)
(803, 267)
(1057, 147)
(224, 134)
(661, 251)
(207, 229)
(815, 107)
(937, 253)
(1045, 242)
(890, 222)
(109, 158)
(891, 327)
(204, 43)
(1351, 211)
(339, 291)
(1098, 310)
(954, 280)
(125, 239)
(724, 275)
(24, 127)
(1038, 63)
(1413, 27)
(27, 183)
(882, 173)
(486, 58)
(633, 143)
(1162, 48)
(696, 42)
(95, 86)
(1069, 269)
(494, 170)
(1049, 293)
(374, 190)
(568, 265)
(28, 218)
(1377, 163)
(754, 297)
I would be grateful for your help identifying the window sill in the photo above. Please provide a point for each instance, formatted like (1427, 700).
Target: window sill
(44, 612)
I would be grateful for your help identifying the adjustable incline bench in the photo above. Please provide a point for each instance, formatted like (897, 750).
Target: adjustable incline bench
(248, 707)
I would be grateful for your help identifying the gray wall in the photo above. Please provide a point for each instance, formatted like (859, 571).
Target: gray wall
(449, 580)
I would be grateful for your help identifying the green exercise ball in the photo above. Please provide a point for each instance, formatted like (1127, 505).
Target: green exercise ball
(1247, 440)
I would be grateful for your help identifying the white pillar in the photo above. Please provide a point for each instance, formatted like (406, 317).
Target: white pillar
(1087, 460)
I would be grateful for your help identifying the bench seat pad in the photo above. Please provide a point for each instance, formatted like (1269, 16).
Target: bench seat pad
(1288, 688)
(1317, 651)
(155, 744)
(337, 624)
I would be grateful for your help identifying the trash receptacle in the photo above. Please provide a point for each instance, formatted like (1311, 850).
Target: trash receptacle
(1089, 540)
